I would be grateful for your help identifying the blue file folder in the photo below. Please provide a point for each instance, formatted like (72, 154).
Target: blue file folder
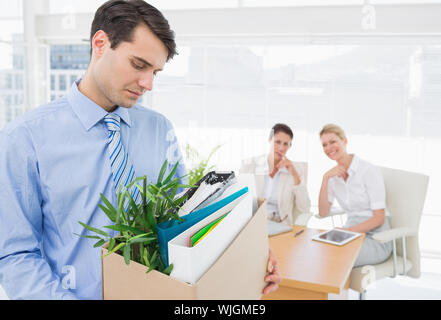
(170, 229)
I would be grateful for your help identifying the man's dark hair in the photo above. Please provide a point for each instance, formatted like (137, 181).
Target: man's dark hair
(118, 19)
(280, 127)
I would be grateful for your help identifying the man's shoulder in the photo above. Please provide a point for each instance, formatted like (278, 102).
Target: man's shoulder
(35, 117)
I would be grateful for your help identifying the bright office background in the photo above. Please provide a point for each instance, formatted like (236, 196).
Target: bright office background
(373, 67)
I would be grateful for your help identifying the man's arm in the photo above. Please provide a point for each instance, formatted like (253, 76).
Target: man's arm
(273, 277)
(24, 273)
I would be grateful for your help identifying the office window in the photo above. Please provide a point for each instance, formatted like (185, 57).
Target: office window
(53, 82)
(72, 65)
(72, 79)
(62, 82)
(19, 100)
(69, 57)
(11, 62)
(386, 97)
(19, 81)
(8, 82)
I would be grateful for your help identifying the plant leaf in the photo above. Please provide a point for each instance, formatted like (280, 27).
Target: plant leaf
(180, 200)
(185, 186)
(133, 182)
(153, 258)
(154, 261)
(122, 228)
(162, 172)
(142, 240)
(119, 206)
(151, 219)
(134, 207)
(169, 200)
(171, 174)
(108, 212)
(172, 184)
(119, 246)
(148, 194)
(111, 244)
(99, 243)
(88, 237)
(140, 236)
(126, 253)
(146, 258)
(132, 210)
(94, 229)
(142, 222)
(168, 270)
(154, 188)
(111, 211)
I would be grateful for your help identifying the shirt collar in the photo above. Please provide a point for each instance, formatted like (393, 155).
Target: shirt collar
(355, 164)
(88, 111)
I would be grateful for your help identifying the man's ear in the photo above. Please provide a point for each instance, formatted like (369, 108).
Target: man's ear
(100, 42)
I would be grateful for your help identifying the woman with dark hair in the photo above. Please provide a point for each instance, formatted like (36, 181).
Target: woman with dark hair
(279, 180)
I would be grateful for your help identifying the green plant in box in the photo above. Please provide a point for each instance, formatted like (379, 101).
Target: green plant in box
(137, 239)
(199, 164)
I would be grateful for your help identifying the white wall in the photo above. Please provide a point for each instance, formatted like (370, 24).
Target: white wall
(305, 66)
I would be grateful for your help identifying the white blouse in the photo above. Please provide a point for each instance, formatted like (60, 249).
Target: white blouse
(270, 191)
(363, 191)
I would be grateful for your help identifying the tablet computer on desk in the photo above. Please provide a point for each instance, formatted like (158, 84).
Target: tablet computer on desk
(336, 236)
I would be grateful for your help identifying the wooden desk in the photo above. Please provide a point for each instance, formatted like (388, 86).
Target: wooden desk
(312, 269)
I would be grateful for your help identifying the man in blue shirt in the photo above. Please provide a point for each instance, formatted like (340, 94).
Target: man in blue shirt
(54, 161)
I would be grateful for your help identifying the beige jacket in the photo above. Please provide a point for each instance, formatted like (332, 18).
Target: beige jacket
(292, 200)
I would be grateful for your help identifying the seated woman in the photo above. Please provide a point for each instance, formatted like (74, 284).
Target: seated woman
(279, 180)
(358, 187)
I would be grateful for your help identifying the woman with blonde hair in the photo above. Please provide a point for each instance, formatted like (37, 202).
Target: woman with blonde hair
(358, 187)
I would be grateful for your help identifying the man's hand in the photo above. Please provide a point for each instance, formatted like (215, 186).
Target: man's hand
(273, 276)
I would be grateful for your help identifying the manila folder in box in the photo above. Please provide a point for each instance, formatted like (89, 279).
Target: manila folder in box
(238, 274)
(190, 263)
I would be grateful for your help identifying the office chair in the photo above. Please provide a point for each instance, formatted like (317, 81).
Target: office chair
(302, 218)
(405, 196)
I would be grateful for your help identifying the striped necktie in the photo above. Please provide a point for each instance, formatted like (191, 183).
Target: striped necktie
(122, 167)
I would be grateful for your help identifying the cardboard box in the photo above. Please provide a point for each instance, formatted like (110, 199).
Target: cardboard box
(237, 274)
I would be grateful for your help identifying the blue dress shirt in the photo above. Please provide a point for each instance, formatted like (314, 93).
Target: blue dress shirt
(54, 164)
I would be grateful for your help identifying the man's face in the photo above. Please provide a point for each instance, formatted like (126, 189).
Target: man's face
(125, 73)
